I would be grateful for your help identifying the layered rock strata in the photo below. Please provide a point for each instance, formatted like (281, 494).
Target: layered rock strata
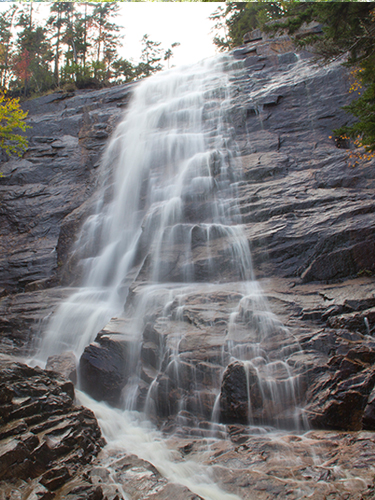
(46, 441)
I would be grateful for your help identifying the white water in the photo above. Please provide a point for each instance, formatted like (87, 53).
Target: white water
(128, 431)
(171, 172)
(160, 158)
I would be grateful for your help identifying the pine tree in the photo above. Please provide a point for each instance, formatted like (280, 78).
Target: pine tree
(106, 39)
(150, 58)
(32, 65)
(168, 54)
(6, 36)
(55, 24)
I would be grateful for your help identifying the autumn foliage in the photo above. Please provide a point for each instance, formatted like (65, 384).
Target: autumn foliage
(11, 122)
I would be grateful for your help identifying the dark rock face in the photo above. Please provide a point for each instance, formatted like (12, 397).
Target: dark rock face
(44, 436)
(23, 315)
(103, 371)
(235, 394)
(340, 398)
(55, 176)
(46, 196)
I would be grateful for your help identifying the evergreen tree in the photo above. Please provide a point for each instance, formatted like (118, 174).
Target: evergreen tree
(150, 58)
(168, 54)
(123, 71)
(55, 25)
(32, 64)
(106, 39)
(6, 36)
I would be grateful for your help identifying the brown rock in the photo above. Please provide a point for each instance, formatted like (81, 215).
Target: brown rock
(65, 364)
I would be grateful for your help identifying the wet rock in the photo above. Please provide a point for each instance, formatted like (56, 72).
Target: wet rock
(234, 396)
(368, 419)
(139, 479)
(22, 316)
(363, 321)
(103, 371)
(65, 364)
(338, 399)
(267, 466)
(44, 438)
(341, 263)
(55, 177)
(54, 478)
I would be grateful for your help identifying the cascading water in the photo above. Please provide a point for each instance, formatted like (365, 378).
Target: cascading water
(171, 247)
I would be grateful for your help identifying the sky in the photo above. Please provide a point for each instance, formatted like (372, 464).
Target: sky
(165, 22)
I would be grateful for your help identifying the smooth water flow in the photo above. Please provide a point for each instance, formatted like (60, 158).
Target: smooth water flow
(168, 257)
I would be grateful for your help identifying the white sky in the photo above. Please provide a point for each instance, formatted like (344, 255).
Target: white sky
(165, 22)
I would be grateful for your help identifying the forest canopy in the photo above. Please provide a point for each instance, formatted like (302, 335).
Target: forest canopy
(76, 46)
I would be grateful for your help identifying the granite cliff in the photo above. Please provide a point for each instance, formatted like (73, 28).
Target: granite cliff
(309, 221)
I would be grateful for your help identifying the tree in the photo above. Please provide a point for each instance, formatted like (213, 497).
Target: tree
(168, 54)
(55, 24)
(34, 54)
(122, 68)
(106, 39)
(12, 118)
(237, 18)
(151, 57)
(6, 35)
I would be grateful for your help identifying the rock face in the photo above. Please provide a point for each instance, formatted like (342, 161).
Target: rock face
(45, 196)
(44, 437)
(309, 220)
(56, 175)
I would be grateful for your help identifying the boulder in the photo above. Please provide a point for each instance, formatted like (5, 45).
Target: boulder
(234, 395)
(103, 371)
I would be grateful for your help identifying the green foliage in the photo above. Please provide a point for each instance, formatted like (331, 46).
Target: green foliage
(237, 18)
(12, 119)
(77, 46)
(151, 56)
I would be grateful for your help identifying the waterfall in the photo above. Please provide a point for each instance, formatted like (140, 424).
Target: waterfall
(166, 257)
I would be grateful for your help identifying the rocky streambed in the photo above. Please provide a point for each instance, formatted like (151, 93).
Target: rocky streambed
(308, 218)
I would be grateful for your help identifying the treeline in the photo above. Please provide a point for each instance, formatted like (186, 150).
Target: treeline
(76, 46)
